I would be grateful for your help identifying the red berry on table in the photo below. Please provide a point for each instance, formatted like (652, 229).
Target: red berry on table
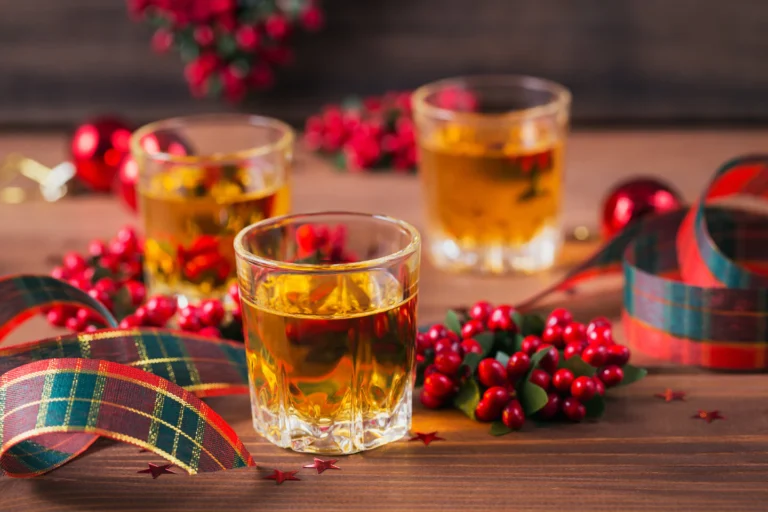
(136, 291)
(189, 323)
(85, 315)
(160, 309)
(583, 388)
(448, 362)
(551, 408)
(447, 344)
(485, 411)
(500, 319)
(97, 248)
(491, 373)
(438, 385)
(599, 386)
(553, 335)
(611, 375)
(575, 332)
(573, 349)
(497, 396)
(471, 346)
(106, 285)
(127, 236)
(518, 365)
(595, 355)
(562, 380)
(513, 415)
(481, 310)
(141, 315)
(549, 362)
(471, 328)
(430, 401)
(573, 409)
(437, 332)
(601, 335)
(560, 317)
(74, 324)
(209, 332)
(211, 312)
(119, 250)
(129, 322)
(60, 273)
(540, 378)
(56, 316)
(74, 263)
(618, 355)
(600, 321)
(422, 343)
(530, 344)
(90, 328)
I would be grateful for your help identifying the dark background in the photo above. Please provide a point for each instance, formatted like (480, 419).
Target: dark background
(628, 62)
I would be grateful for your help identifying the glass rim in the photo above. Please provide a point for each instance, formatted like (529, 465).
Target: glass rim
(283, 142)
(561, 97)
(330, 268)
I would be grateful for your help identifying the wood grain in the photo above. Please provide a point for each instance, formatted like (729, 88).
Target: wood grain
(645, 454)
(626, 60)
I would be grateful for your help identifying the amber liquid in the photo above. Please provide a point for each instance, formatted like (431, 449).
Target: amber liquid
(190, 228)
(331, 358)
(490, 189)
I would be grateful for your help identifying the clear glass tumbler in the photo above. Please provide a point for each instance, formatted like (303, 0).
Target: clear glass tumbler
(329, 313)
(202, 179)
(491, 164)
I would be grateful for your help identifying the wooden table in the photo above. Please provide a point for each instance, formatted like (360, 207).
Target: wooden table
(644, 454)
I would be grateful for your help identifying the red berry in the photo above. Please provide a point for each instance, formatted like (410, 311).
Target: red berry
(583, 388)
(513, 415)
(312, 19)
(204, 35)
(234, 292)
(573, 349)
(110, 262)
(575, 332)
(611, 375)
(553, 335)
(90, 328)
(601, 335)
(448, 362)
(438, 385)
(437, 332)
(600, 321)
(430, 401)
(97, 248)
(471, 328)
(127, 236)
(81, 283)
(136, 291)
(85, 315)
(486, 411)
(562, 380)
(549, 362)
(491, 373)
(530, 344)
(141, 315)
(595, 355)
(618, 355)
(551, 408)
(60, 273)
(209, 332)
(599, 386)
(160, 309)
(560, 317)
(74, 263)
(481, 310)
(540, 378)
(75, 324)
(518, 365)
(573, 409)
(211, 312)
(120, 250)
(422, 343)
(497, 396)
(106, 285)
(189, 323)
(471, 346)
(500, 319)
(101, 297)
(277, 26)
(129, 322)
(447, 344)
(56, 316)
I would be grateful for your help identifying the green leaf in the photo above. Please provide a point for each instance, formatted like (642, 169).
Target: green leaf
(577, 365)
(468, 398)
(535, 360)
(499, 429)
(505, 342)
(517, 343)
(122, 303)
(453, 323)
(595, 407)
(532, 324)
(100, 272)
(340, 161)
(226, 45)
(352, 103)
(502, 358)
(632, 374)
(485, 339)
(472, 360)
(532, 397)
(518, 318)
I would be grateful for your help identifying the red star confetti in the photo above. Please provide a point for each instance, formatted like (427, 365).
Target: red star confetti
(708, 416)
(281, 476)
(668, 395)
(156, 470)
(321, 465)
(426, 438)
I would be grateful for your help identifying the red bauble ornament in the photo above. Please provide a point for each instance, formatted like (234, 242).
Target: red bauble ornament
(634, 199)
(98, 146)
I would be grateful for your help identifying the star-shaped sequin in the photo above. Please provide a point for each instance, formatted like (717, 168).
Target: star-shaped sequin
(669, 395)
(708, 416)
(426, 438)
(156, 470)
(281, 476)
(321, 465)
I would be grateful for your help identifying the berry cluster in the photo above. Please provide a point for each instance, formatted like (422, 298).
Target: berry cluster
(229, 47)
(498, 364)
(373, 133)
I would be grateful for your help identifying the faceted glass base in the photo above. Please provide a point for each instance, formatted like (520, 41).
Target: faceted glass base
(334, 438)
(538, 254)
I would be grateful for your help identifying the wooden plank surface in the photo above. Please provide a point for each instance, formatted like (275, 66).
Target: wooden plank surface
(626, 60)
(645, 454)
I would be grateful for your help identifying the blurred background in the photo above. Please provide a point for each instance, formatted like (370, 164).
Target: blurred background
(628, 62)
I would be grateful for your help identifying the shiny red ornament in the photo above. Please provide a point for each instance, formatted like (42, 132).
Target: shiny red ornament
(426, 438)
(97, 148)
(634, 199)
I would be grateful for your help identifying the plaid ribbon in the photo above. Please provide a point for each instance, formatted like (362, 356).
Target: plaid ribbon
(696, 280)
(140, 386)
